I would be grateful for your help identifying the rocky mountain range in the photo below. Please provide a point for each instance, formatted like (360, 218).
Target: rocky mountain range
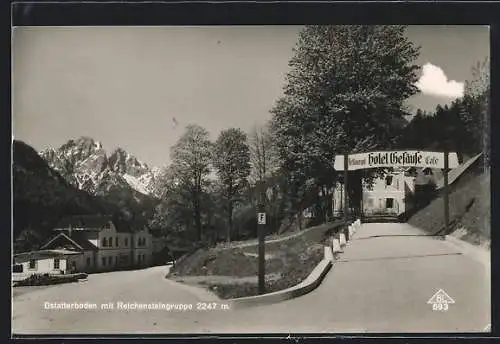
(85, 164)
(79, 177)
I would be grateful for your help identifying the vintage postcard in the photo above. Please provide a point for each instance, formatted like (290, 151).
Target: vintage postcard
(250, 179)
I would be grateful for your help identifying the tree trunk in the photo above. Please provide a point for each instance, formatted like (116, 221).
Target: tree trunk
(197, 219)
(229, 220)
(325, 203)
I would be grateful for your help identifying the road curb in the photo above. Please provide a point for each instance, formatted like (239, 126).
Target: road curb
(309, 284)
(477, 253)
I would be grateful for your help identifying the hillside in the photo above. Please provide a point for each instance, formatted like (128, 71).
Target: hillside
(231, 272)
(470, 211)
(41, 196)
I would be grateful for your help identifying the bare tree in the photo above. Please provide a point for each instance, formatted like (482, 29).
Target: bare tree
(263, 157)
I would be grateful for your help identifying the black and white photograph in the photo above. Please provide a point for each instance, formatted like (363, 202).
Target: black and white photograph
(250, 179)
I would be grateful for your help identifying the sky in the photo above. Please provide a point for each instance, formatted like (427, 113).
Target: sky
(138, 87)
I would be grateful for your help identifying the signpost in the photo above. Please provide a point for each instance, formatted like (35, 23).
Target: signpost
(261, 218)
(261, 226)
(410, 158)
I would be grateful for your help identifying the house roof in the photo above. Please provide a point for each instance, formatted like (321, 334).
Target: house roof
(91, 222)
(76, 239)
(42, 254)
(454, 174)
(80, 239)
(438, 176)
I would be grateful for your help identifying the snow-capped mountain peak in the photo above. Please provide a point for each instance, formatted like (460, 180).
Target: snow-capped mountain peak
(122, 162)
(136, 183)
(84, 163)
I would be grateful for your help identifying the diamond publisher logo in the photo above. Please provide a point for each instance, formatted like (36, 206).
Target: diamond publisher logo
(440, 301)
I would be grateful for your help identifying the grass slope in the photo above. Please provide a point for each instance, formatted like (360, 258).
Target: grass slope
(470, 211)
(288, 263)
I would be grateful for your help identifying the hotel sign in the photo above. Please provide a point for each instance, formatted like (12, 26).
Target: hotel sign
(396, 159)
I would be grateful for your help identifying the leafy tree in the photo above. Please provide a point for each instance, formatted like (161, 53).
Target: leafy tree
(231, 160)
(477, 112)
(173, 216)
(345, 93)
(191, 158)
(214, 212)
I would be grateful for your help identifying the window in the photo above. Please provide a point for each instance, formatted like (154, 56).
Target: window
(88, 261)
(116, 260)
(104, 242)
(139, 242)
(116, 241)
(370, 202)
(110, 260)
(107, 225)
(389, 202)
(103, 261)
(56, 264)
(110, 242)
(388, 180)
(32, 264)
(126, 241)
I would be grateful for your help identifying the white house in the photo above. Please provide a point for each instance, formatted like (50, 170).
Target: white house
(98, 245)
(386, 196)
(44, 261)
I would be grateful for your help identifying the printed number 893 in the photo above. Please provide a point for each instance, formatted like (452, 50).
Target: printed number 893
(440, 306)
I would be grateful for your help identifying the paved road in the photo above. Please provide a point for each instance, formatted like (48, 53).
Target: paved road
(142, 286)
(381, 283)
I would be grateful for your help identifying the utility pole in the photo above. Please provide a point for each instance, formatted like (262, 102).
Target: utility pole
(445, 193)
(261, 229)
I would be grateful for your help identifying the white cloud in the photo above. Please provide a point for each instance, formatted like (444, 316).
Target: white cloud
(434, 82)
